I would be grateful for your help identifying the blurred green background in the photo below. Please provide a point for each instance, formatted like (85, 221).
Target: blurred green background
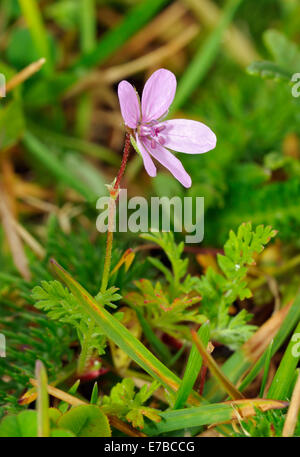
(61, 130)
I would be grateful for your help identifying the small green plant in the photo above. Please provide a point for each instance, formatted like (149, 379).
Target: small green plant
(269, 424)
(62, 306)
(127, 404)
(162, 313)
(208, 297)
(220, 290)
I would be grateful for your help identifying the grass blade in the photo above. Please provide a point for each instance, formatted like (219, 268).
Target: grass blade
(55, 167)
(266, 369)
(42, 400)
(225, 383)
(37, 30)
(116, 37)
(204, 58)
(192, 369)
(284, 375)
(290, 321)
(210, 414)
(278, 327)
(77, 144)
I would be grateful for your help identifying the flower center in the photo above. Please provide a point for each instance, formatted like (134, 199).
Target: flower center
(153, 132)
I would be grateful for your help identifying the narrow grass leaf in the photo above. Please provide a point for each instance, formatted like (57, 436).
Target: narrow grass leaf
(240, 362)
(225, 383)
(77, 144)
(41, 153)
(115, 38)
(192, 369)
(95, 394)
(210, 414)
(37, 30)
(42, 400)
(284, 375)
(204, 58)
(266, 369)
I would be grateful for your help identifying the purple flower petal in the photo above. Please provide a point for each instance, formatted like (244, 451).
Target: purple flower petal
(148, 162)
(158, 94)
(129, 103)
(187, 136)
(168, 160)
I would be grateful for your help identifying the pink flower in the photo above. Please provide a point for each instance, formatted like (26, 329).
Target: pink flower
(155, 137)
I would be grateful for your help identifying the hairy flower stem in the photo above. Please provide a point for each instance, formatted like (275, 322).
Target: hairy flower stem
(124, 161)
(113, 191)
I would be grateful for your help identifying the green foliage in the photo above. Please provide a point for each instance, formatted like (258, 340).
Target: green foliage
(12, 123)
(220, 290)
(85, 421)
(113, 39)
(80, 421)
(187, 418)
(180, 281)
(64, 13)
(173, 251)
(265, 425)
(29, 336)
(125, 403)
(22, 425)
(15, 50)
(61, 306)
(252, 119)
(192, 368)
(118, 333)
(64, 406)
(269, 70)
(75, 251)
(284, 379)
(205, 56)
(162, 313)
(273, 204)
(65, 175)
(285, 53)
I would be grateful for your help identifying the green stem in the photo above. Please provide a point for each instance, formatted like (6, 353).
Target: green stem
(114, 191)
(109, 242)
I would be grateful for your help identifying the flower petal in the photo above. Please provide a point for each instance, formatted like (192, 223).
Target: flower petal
(187, 136)
(148, 162)
(168, 160)
(129, 103)
(158, 94)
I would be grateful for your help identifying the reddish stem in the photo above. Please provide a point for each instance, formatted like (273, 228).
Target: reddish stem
(113, 195)
(124, 161)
